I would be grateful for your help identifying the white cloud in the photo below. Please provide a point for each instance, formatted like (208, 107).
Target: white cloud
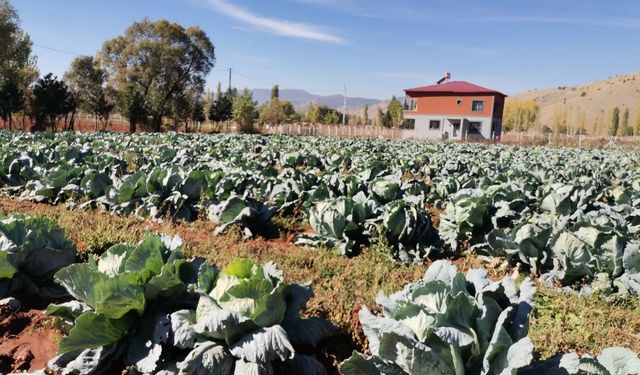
(275, 26)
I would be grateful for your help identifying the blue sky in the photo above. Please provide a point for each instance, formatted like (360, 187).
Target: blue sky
(375, 47)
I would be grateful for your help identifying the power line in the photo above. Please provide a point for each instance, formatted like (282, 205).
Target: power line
(57, 50)
(213, 70)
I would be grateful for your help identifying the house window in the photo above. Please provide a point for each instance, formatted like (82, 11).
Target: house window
(477, 106)
(459, 102)
(408, 123)
(434, 124)
(475, 128)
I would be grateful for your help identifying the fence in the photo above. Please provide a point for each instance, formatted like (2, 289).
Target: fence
(350, 131)
(578, 140)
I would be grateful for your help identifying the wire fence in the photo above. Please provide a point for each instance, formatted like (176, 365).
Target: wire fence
(347, 131)
(568, 140)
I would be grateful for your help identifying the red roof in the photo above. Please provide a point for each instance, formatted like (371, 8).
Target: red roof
(455, 87)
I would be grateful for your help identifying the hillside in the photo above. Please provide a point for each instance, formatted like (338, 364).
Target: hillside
(592, 98)
(301, 99)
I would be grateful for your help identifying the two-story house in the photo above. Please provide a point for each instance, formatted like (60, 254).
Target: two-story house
(454, 111)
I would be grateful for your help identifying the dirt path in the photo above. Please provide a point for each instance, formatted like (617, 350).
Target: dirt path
(27, 338)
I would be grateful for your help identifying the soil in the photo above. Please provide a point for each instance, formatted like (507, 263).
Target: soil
(27, 337)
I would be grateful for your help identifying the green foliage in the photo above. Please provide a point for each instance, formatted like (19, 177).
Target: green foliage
(331, 118)
(276, 112)
(615, 122)
(147, 306)
(161, 60)
(245, 110)
(448, 323)
(11, 100)
(222, 107)
(395, 112)
(17, 64)
(625, 129)
(51, 101)
(31, 251)
(131, 104)
(365, 115)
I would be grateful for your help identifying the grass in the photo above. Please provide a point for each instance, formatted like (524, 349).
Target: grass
(560, 322)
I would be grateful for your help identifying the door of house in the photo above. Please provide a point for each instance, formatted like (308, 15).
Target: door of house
(455, 124)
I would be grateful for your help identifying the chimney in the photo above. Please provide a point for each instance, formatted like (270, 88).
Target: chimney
(445, 78)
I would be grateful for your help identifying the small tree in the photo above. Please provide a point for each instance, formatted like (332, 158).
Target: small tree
(87, 81)
(132, 106)
(365, 115)
(331, 118)
(222, 108)
(380, 119)
(615, 122)
(197, 113)
(245, 110)
(11, 100)
(626, 130)
(51, 101)
(180, 111)
(275, 93)
(636, 121)
(394, 109)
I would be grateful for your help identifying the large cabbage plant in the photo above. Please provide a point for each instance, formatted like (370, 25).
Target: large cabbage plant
(448, 323)
(148, 307)
(247, 321)
(32, 250)
(611, 361)
(340, 223)
(407, 228)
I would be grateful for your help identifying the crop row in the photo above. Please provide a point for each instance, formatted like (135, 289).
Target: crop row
(155, 311)
(569, 215)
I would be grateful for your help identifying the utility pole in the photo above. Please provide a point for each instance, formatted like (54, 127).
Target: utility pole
(344, 107)
(229, 93)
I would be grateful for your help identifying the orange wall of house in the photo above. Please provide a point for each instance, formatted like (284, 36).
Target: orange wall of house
(446, 105)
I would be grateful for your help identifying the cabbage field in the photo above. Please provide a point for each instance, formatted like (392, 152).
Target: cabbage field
(566, 219)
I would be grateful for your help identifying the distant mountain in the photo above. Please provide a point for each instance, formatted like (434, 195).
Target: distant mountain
(301, 99)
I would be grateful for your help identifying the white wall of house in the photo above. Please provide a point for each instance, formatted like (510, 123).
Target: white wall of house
(447, 131)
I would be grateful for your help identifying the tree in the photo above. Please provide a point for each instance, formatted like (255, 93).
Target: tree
(222, 108)
(380, 118)
(559, 120)
(331, 118)
(365, 116)
(313, 113)
(245, 110)
(581, 122)
(395, 112)
(17, 64)
(636, 121)
(51, 101)
(102, 106)
(11, 101)
(625, 129)
(275, 92)
(197, 112)
(615, 122)
(162, 60)
(180, 111)
(131, 105)
(520, 115)
(87, 81)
